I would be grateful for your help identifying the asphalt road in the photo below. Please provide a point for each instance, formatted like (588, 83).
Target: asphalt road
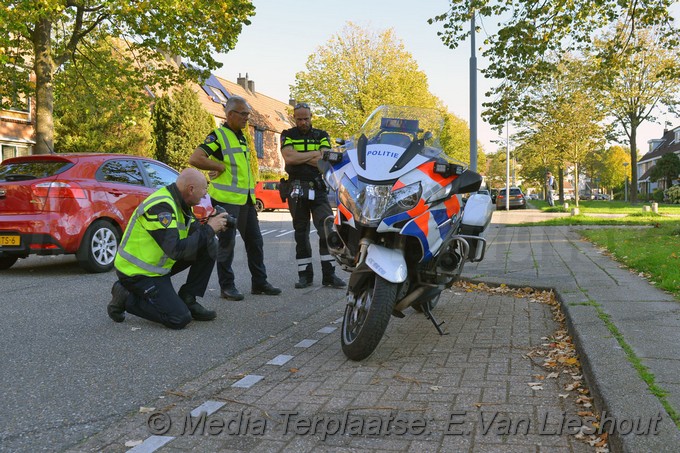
(67, 371)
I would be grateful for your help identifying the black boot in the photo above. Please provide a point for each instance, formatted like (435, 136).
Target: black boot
(198, 311)
(329, 277)
(116, 308)
(305, 280)
(333, 281)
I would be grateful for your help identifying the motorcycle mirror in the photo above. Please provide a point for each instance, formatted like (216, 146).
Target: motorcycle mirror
(427, 136)
(340, 141)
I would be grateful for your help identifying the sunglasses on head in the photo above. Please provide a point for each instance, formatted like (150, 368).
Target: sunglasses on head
(301, 105)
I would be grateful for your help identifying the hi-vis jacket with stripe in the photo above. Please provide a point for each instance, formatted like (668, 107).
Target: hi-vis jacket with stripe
(237, 181)
(158, 235)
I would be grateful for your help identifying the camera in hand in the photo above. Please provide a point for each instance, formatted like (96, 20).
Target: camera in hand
(231, 220)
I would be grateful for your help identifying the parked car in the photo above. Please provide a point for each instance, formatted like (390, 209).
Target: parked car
(601, 196)
(267, 196)
(517, 199)
(80, 204)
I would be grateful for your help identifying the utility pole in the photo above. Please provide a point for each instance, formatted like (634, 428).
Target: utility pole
(473, 93)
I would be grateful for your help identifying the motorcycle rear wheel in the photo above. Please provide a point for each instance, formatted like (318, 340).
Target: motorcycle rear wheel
(364, 323)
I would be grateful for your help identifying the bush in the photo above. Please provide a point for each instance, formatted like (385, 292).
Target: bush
(673, 194)
(657, 195)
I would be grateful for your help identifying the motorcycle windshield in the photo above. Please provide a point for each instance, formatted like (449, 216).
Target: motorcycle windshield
(396, 139)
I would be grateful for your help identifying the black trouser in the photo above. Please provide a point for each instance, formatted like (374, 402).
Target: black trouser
(300, 210)
(249, 227)
(155, 299)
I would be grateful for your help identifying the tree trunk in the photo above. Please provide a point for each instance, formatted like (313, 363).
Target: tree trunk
(44, 97)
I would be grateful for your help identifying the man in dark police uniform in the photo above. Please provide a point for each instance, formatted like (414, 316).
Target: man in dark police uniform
(301, 148)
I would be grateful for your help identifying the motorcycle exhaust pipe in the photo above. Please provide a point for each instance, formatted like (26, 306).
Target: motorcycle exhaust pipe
(409, 299)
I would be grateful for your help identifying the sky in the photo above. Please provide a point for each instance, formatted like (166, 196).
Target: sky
(284, 33)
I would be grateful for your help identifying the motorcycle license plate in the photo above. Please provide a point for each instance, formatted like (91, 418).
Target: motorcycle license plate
(11, 240)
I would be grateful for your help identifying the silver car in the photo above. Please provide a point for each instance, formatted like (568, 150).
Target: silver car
(517, 199)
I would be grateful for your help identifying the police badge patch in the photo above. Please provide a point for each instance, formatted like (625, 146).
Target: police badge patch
(210, 138)
(165, 218)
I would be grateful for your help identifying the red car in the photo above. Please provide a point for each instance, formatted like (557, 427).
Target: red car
(53, 204)
(267, 196)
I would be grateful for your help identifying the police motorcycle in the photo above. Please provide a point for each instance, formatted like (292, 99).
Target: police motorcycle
(400, 227)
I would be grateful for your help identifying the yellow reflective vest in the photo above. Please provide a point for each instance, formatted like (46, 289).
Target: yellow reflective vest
(237, 181)
(138, 252)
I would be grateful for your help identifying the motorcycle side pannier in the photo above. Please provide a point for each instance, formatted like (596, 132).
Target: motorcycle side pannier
(476, 217)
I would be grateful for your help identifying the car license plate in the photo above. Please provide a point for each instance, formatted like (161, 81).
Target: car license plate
(10, 239)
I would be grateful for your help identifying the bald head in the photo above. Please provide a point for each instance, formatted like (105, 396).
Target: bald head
(192, 185)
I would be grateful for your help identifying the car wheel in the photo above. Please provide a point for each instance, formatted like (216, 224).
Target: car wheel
(259, 206)
(7, 261)
(99, 246)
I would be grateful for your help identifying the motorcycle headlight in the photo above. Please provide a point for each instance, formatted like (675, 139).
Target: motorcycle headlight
(371, 203)
(374, 201)
(407, 197)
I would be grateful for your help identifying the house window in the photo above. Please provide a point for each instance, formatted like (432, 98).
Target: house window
(218, 94)
(14, 151)
(259, 143)
(17, 101)
(677, 136)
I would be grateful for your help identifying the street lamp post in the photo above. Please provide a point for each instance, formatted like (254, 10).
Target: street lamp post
(625, 186)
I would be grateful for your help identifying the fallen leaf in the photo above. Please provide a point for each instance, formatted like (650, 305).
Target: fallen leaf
(294, 370)
(435, 388)
(553, 375)
(146, 410)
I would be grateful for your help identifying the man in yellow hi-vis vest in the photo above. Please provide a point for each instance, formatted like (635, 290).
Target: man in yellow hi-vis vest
(162, 239)
(226, 155)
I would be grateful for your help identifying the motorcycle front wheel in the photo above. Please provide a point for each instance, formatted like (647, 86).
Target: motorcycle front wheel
(365, 320)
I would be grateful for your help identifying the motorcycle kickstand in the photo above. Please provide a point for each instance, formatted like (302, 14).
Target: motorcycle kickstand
(429, 315)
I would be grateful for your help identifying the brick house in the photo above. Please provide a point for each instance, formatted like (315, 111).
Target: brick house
(668, 143)
(17, 130)
(270, 117)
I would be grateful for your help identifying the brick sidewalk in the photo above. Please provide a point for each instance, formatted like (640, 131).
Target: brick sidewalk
(421, 379)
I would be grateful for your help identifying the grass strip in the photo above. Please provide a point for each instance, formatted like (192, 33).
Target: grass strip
(634, 360)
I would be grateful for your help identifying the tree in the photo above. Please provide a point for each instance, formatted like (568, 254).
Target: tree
(530, 34)
(612, 172)
(495, 170)
(538, 154)
(42, 36)
(667, 168)
(563, 126)
(101, 112)
(634, 81)
(355, 72)
(455, 140)
(180, 124)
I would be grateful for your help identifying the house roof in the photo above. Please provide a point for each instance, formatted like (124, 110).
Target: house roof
(668, 145)
(267, 113)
